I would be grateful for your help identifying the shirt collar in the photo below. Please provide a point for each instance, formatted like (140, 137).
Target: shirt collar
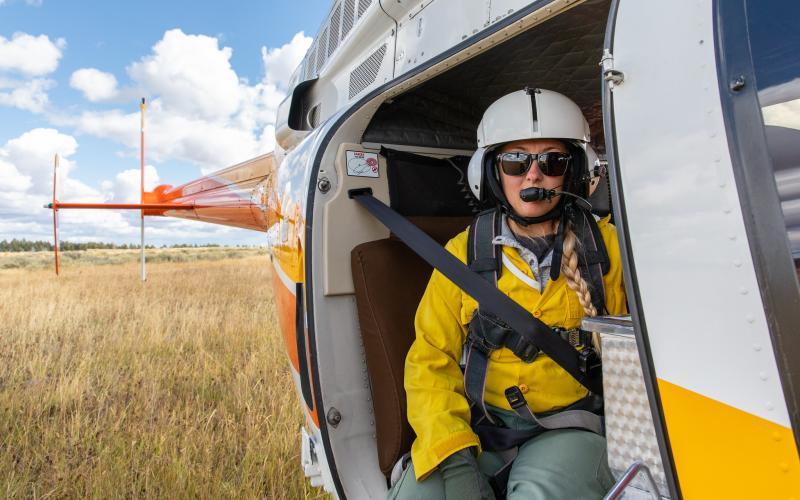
(507, 238)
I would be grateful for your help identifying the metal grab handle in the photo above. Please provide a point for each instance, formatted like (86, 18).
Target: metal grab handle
(628, 476)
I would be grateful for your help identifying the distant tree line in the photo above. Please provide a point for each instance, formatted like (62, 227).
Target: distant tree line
(24, 245)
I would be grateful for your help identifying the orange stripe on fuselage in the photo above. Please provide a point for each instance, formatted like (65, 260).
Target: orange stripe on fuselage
(287, 309)
(723, 452)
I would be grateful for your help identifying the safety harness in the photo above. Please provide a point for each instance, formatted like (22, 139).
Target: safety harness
(518, 330)
(487, 333)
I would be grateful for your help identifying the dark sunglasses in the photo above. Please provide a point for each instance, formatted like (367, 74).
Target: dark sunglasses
(551, 164)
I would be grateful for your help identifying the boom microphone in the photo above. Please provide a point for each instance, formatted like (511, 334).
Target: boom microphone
(539, 194)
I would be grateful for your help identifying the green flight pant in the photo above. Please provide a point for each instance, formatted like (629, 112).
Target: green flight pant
(558, 464)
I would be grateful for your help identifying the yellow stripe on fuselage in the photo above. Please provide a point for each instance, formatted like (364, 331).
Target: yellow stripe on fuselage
(723, 452)
(291, 261)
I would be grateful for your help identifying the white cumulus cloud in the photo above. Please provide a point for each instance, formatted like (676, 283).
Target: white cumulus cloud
(127, 184)
(29, 95)
(200, 111)
(11, 180)
(32, 154)
(30, 55)
(170, 136)
(24, 60)
(96, 85)
(279, 63)
(26, 184)
(192, 75)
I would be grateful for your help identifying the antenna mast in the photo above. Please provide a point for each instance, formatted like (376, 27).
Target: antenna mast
(55, 209)
(142, 107)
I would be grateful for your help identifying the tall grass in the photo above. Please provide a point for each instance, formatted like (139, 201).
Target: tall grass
(175, 388)
(27, 260)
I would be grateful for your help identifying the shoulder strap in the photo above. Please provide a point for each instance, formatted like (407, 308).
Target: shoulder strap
(593, 256)
(483, 256)
(487, 295)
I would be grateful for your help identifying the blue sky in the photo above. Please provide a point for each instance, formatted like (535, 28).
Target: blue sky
(71, 74)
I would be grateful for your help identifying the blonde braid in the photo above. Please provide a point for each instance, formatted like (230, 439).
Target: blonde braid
(570, 270)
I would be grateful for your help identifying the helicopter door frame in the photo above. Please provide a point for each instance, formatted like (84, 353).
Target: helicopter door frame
(759, 197)
(699, 249)
(629, 268)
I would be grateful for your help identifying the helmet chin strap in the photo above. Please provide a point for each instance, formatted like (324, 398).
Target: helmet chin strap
(554, 213)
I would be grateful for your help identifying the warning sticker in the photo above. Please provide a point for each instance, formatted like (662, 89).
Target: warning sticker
(362, 164)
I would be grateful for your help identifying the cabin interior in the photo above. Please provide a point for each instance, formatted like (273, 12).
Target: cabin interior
(425, 137)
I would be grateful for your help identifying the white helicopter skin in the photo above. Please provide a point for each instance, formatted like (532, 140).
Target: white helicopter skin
(702, 383)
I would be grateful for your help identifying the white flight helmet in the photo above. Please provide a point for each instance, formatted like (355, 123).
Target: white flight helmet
(526, 114)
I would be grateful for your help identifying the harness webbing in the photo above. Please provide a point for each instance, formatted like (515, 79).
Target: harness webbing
(518, 324)
(578, 418)
(593, 255)
(483, 259)
(584, 414)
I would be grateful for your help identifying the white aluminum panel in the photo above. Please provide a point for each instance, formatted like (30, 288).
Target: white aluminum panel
(702, 307)
(498, 9)
(356, 54)
(424, 33)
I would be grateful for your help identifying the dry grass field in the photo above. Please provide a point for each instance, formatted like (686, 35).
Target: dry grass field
(176, 388)
(44, 260)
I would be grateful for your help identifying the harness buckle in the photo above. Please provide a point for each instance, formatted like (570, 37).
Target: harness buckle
(528, 353)
(588, 360)
(478, 343)
(576, 337)
(488, 331)
(515, 397)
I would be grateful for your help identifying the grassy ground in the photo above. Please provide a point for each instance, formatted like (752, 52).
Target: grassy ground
(178, 388)
(40, 260)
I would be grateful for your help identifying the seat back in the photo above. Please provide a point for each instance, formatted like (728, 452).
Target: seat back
(389, 281)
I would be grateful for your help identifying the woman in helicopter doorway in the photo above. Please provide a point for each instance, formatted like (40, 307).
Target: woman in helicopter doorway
(493, 417)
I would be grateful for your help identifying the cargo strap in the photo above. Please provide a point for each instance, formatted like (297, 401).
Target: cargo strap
(519, 327)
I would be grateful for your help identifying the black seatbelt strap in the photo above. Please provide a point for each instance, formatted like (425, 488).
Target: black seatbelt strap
(491, 300)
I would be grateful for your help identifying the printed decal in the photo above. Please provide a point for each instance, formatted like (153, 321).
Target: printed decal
(362, 164)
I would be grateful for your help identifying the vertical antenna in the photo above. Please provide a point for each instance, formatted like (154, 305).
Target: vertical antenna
(55, 209)
(142, 107)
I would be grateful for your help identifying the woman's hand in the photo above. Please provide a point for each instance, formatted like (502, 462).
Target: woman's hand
(462, 478)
